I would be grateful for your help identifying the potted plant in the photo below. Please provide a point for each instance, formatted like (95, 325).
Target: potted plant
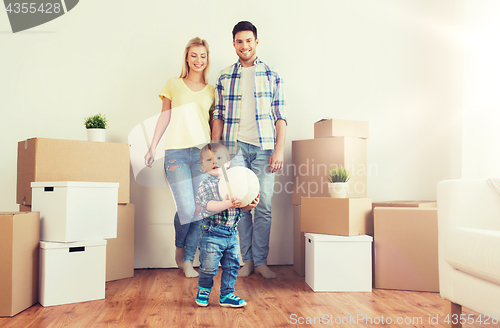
(338, 178)
(96, 127)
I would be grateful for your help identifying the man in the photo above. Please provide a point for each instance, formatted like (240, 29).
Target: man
(250, 111)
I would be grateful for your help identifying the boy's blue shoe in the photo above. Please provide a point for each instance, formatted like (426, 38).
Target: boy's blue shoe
(231, 300)
(202, 296)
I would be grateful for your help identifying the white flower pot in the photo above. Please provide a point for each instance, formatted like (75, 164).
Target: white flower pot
(338, 189)
(96, 135)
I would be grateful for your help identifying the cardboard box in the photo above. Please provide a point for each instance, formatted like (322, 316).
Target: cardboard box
(41, 159)
(312, 159)
(337, 216)
(339, 263)
(340, 128)
(406, 248)
(72, 272)
(19, 238)
(402, 203)
(299, 245)
(406, 203)
(75, 210)
(120, 250)
(24, 208)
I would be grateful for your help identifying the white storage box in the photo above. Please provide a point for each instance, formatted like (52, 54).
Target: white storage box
(339, 263)
(72, 272)
(76, 211)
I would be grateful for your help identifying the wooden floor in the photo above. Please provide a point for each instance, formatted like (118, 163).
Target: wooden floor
(164, 298)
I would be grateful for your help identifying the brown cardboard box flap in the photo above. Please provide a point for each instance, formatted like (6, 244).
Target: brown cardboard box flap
(329, 127)
(406, 203)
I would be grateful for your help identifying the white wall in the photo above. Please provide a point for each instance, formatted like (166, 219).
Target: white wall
(481, 132)
(396, 64)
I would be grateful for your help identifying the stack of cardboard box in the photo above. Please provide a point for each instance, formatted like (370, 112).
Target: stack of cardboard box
(42, 159)
(49, 160)
(404, 232)
(335, 143)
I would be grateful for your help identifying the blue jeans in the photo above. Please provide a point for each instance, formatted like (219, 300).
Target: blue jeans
(183, 170)
(254, 235)
(218, 243)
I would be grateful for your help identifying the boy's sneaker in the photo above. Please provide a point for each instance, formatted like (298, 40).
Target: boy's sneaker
(202, 296)
(231, 300)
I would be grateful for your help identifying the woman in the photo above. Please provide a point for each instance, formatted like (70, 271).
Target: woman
(187, 104)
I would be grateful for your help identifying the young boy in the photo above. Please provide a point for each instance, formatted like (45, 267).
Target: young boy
(218, 242)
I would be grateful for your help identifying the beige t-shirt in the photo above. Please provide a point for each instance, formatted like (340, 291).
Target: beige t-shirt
(248, 131)
(189, 120)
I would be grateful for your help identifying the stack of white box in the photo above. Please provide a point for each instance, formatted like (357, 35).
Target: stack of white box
(75, 219)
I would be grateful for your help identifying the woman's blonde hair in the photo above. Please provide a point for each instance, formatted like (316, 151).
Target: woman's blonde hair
(185, 67)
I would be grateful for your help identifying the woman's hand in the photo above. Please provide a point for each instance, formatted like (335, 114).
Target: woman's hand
(149, 158)
(197, 209)
(161, 126)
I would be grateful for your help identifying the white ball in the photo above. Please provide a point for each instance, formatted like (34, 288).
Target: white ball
(244, 184)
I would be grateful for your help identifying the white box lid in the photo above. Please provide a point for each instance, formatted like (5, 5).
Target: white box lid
(323, 237)
(84, 184)
(87, 243)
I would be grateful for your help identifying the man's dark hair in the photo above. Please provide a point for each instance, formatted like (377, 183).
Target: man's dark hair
(244, 26)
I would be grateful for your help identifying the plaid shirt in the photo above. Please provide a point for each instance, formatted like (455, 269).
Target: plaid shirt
(209, 190)
(269, 102)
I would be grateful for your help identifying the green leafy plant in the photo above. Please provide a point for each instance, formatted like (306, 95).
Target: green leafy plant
(338, 174)
(98, 121)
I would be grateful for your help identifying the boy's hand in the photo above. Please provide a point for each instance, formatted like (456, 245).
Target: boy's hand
(254, 203)
(231, 203)
(236, 202)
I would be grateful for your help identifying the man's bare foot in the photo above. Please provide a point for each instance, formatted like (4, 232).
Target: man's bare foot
(189, 271)
(246, 270)
(265, 271)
